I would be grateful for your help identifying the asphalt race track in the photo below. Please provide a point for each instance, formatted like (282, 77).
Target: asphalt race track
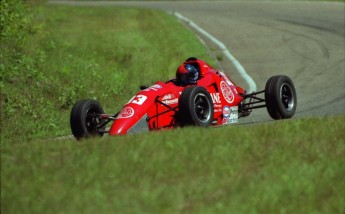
(303, 40)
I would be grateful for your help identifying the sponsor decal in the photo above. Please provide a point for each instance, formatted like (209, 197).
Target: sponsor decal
(215, 98)
(126, 112)
(138, 99)
(154, 87)
(169, 102)
(230, 115)
(233, 115)
(226, 111)
(168, 97)
(226, 78)
(227, 92)
(216, 110)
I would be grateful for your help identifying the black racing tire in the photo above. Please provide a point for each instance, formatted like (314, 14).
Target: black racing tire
(281, 97)
(195, 107)
(84, 121)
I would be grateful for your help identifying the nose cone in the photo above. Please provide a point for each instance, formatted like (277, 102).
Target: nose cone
(128, 118)
(133, 115)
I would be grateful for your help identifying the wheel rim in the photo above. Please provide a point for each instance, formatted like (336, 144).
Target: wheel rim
(287, 97)
(202, 108)
(92, 121)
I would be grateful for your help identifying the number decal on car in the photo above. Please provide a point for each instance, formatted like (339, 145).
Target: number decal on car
(138, 99)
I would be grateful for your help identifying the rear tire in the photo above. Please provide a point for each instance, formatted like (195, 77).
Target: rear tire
(196, 107)
(281, 97)
(84, 120)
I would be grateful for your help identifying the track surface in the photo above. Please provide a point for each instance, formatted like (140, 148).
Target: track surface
(303, 40)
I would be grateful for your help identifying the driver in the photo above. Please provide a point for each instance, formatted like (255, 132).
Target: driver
(187, 74)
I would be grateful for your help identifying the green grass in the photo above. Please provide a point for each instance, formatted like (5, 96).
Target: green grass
(291, 166)
(294, 166)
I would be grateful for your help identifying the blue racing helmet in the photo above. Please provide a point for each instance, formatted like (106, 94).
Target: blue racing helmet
(187, 74)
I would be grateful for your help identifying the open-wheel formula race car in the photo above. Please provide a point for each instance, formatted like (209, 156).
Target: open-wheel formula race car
(199, 95)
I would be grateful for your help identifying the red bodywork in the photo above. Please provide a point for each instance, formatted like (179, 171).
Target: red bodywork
(155, 107)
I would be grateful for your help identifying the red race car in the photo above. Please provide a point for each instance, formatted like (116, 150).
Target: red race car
(199, 95)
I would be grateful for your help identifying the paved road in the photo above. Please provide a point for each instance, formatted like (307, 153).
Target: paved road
(304, 40)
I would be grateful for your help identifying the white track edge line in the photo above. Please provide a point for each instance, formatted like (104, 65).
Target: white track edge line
(223, 48)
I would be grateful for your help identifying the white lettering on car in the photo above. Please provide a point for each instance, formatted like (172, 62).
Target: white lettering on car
(168, 96)
(169, 102)
(169, 99)
(215, 97)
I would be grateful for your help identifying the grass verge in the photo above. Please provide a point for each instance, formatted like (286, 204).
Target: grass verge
(293, 166)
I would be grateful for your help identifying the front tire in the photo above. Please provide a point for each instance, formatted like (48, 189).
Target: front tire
(281, 97)
(84, 119)
(196, 107)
